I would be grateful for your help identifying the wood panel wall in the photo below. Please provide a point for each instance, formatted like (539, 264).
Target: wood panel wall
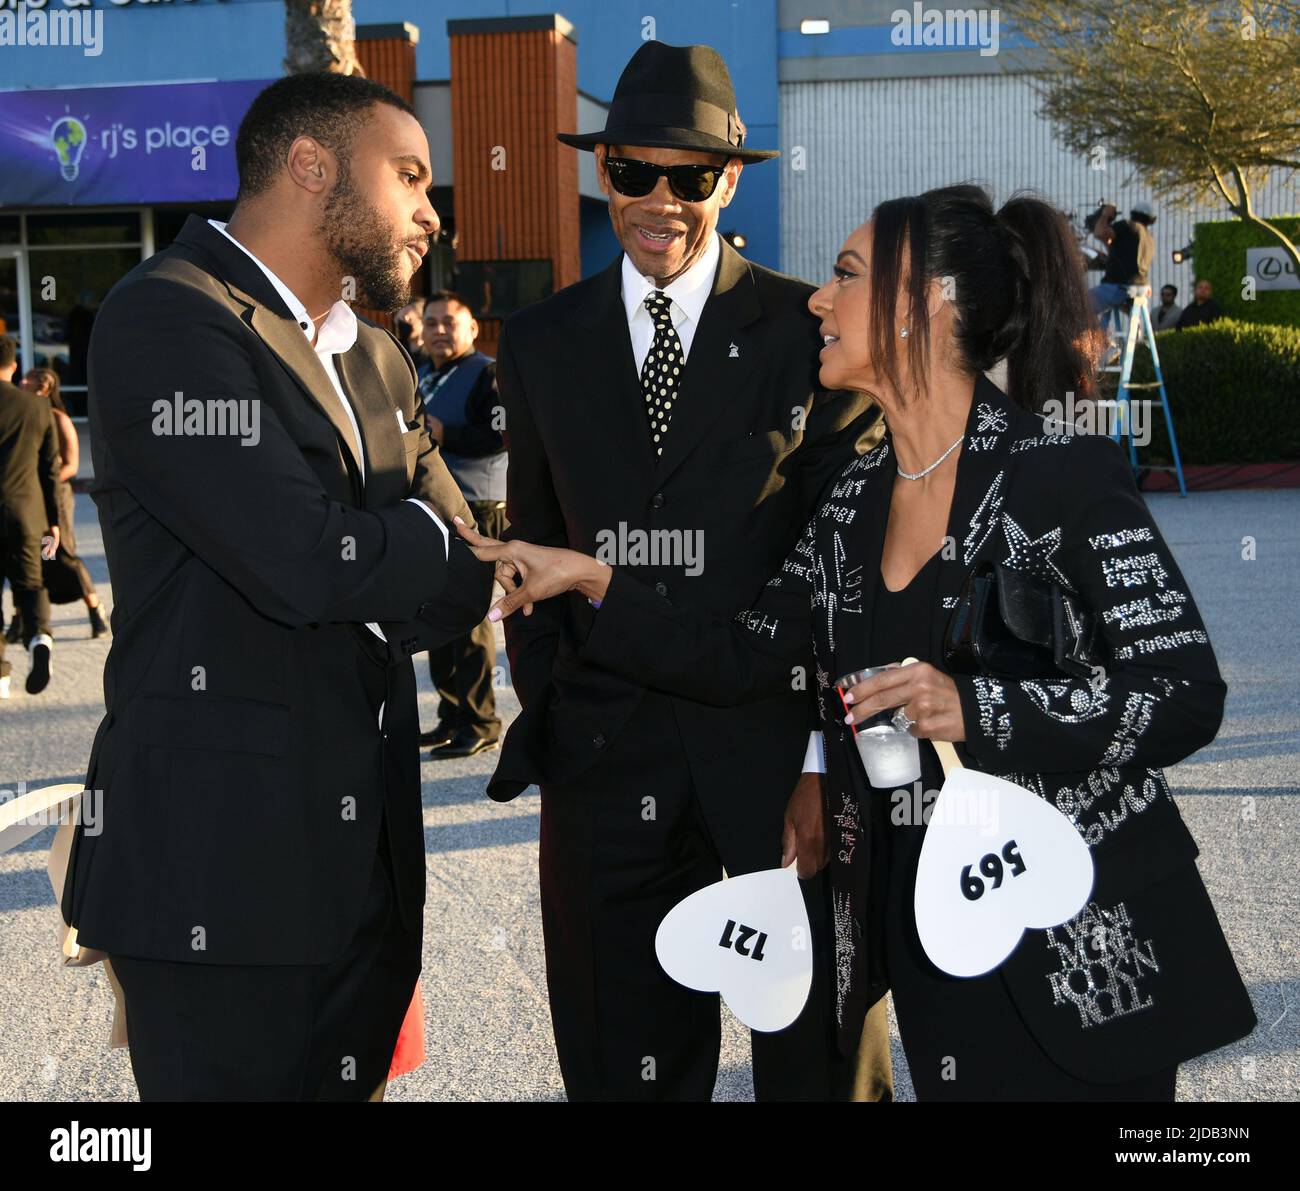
(510, 93)
(390, 61)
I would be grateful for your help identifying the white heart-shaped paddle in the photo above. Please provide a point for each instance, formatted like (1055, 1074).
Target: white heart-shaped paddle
(996, 861)
(748, 938)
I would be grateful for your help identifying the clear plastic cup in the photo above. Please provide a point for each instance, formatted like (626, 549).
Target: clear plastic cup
(891, 757)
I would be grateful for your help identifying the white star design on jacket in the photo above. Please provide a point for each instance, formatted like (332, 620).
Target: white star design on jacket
(1033, 556)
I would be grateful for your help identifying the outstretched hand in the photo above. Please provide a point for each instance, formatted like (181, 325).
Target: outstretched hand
(530, 573)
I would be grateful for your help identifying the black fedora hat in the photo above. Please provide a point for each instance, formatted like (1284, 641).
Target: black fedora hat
(674, 97)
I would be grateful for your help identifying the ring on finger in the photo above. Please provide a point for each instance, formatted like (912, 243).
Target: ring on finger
(902, 721)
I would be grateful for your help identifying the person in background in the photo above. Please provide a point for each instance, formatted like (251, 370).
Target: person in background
(407, 326)
(66, 577)
(14, 632)
(458, 386)
(29, 517)
(1165, 316)
(1203, 309)
(1131, 249)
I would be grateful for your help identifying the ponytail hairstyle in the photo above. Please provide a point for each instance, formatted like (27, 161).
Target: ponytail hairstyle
(1014, 279)
(48, 380)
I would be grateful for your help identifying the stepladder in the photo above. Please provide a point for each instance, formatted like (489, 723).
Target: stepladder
(1126, 425)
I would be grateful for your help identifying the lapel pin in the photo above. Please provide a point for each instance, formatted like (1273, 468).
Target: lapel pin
(734, 353)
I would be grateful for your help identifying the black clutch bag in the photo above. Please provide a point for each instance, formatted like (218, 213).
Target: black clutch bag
(1008, 624)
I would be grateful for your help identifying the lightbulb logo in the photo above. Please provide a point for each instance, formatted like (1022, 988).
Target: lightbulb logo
(68, 138)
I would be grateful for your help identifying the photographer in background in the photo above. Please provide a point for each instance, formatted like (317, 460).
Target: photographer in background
(1130, 250)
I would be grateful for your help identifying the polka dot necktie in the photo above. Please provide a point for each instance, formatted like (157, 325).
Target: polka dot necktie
(661, 373)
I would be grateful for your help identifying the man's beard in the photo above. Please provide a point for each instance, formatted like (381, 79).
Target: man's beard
(355, 236)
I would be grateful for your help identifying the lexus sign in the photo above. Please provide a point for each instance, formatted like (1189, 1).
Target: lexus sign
(1271, 268)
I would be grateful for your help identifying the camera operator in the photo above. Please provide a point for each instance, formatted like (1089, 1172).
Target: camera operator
(1131, 249)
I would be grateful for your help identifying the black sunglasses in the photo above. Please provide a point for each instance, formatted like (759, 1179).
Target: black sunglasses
(636, 179)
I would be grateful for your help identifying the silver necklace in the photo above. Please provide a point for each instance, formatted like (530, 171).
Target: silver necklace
(916, 475)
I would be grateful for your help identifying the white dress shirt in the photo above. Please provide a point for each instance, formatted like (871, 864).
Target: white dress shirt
(688, 294)
(338, 334)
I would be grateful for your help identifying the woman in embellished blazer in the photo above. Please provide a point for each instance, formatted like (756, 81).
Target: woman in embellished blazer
(927, 296)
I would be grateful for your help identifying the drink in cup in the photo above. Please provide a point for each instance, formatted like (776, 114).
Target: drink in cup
(892, 757)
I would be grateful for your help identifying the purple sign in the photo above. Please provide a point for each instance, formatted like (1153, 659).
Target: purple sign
(143, 144)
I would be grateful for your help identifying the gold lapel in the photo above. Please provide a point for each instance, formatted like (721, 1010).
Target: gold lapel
(266, 313)
(285, 338)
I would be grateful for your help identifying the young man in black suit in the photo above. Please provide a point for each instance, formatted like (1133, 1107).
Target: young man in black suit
(29, 466)
(275, 523)
(668, 404)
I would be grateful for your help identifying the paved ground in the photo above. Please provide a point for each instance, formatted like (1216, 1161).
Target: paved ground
(487, 1026)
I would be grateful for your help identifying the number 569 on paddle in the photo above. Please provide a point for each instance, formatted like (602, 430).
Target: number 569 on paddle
(973, 888)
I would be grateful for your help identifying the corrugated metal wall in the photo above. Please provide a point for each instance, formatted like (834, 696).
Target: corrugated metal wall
(868, 140)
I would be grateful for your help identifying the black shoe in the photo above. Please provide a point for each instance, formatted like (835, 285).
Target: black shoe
(38, 673)
(465, 744)
(98, 625)
(14, 633)
(440, 734)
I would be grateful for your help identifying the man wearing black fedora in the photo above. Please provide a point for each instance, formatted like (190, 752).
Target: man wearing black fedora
(665, 415)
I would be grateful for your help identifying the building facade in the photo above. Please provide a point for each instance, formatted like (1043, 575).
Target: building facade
(110, 137)
(871, 120)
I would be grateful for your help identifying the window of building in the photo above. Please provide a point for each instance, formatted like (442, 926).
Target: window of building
(66, 262)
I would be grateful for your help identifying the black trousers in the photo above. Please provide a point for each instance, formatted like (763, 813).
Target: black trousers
(612, 865)
(462, 669)
(20, 562)
(321, 1032)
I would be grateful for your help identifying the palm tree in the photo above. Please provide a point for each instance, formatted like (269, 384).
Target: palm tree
(320, 35)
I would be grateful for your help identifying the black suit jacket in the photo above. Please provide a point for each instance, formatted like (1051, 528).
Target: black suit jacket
(243, 767)
(29, 459)
(752, 440)
(1142, 978)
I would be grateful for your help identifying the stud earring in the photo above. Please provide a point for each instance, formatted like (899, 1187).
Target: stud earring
(903, 333)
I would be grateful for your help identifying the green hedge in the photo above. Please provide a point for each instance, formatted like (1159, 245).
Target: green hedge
(1219, 253)
(1234, 391)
